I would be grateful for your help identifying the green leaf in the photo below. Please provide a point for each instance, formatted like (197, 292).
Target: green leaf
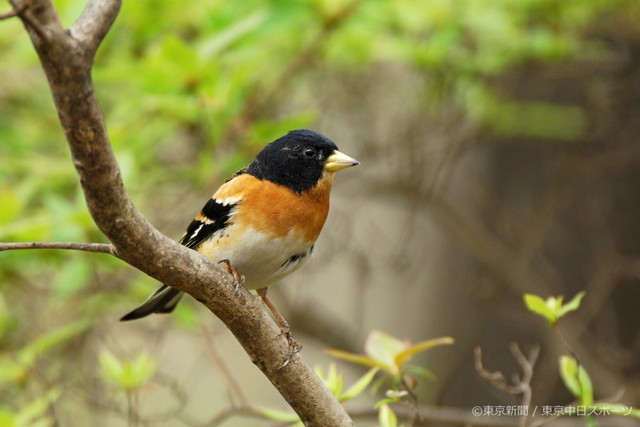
(555, 303)
(359, 386)
(572, 305)
(421, 371)
(356, 358)
(333, 380)
(576, 379)
(35, 413)
(127, 375)
(386, 417)
(111, 367)
(141, 370)
(386, 401)
(384, 348)
(402, 357)
(387, 352)
(539, 306)
(552, 308)
(12, 371)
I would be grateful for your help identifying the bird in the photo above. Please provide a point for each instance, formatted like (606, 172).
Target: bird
(263, 222)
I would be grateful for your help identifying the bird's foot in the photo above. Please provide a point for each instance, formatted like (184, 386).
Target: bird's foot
(285, 330)
(294, 346)
(238, 279)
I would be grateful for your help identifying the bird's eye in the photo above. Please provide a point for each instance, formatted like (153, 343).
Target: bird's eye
(309, 152)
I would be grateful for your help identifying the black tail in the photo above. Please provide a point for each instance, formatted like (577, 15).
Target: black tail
(164, 300)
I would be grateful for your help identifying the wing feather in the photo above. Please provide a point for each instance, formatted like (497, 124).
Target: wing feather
(212, 218)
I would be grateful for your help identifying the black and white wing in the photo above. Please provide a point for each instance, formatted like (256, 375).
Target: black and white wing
(213, 217)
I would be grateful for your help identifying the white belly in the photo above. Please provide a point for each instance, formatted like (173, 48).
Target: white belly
(262, 259)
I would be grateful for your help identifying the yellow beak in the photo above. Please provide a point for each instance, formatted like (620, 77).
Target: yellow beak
(338, 161)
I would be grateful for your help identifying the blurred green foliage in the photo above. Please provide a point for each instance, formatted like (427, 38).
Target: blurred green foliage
(576, 379)
(190, 90)
(552, 309)
(391, 355)
(128, 375)
(574, 376)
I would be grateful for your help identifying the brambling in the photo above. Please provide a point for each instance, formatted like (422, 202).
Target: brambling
(263, 222)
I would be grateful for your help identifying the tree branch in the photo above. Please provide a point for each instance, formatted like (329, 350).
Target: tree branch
(104, 248)
(95, 21)
(520, 387)
(16, 11)
(21, 9)
(66, 58)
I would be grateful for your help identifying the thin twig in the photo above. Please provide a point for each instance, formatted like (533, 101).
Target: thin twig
(132, 410)
(573, 354)
(520, 388)
(526, 364)
(496, 378)
(23, 12)
(565, 343)
(104, 248)
(17, 11)
(412, 402)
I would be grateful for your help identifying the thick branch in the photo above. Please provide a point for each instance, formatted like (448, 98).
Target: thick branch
(103, 248)
(66, 58)
(95, 21)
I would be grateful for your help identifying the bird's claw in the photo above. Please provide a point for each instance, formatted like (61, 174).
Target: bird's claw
(238, 284)
(285, 330)
(238, 279)
(294, 347)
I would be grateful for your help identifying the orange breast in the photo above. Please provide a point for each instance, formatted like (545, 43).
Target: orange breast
(277, 210)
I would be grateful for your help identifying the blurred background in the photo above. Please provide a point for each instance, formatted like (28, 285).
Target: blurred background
(499, 143)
